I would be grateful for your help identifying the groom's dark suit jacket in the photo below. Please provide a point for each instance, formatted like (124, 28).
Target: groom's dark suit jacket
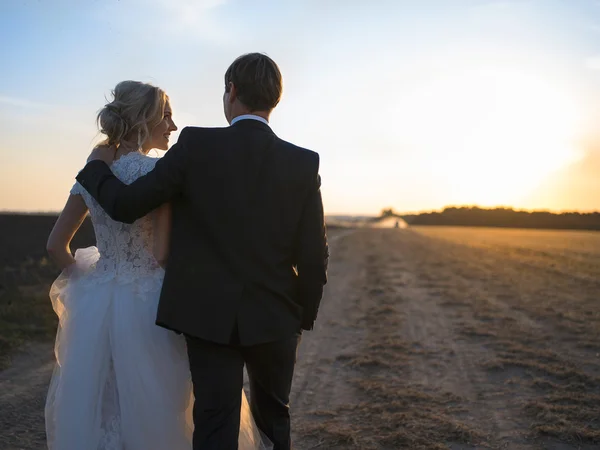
(248, 244)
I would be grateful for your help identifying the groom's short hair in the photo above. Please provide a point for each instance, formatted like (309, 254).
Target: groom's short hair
(257, 80)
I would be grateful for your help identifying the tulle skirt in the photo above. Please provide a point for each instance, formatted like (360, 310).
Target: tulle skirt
(120, 382)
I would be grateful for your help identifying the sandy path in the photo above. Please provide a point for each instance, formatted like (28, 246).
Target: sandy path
(316, 385)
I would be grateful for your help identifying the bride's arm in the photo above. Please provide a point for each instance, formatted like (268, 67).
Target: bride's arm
(66, 226)
(161, 222)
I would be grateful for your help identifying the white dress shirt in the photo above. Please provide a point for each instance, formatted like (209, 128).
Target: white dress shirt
(249, 116)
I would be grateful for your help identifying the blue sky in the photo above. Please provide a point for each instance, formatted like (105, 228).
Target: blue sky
(414, 105)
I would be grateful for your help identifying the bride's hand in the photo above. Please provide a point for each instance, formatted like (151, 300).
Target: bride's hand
(104, 153)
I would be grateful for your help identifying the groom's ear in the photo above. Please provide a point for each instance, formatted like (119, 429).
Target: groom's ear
(232, 92)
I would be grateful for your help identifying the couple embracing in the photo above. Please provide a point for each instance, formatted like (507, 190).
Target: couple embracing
(208, 259)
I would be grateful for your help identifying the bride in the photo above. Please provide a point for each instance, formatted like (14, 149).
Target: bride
(120, 381)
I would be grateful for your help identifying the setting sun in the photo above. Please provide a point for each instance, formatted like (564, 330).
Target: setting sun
(491, 134)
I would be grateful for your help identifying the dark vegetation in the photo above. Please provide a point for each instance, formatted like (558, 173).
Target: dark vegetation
(504, 217)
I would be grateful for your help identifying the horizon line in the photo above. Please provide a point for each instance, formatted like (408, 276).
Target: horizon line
(401, 213)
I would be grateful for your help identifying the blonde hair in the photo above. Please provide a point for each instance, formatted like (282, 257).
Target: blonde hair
(135, 110)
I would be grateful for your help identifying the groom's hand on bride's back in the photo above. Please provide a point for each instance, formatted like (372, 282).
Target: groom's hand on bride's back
(104, 153)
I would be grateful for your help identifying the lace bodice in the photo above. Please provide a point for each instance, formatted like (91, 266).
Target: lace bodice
(125, 249)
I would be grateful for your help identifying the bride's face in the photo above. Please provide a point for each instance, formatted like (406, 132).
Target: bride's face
(159, 136)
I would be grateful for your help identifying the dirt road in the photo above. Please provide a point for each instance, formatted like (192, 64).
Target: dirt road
(426, 339)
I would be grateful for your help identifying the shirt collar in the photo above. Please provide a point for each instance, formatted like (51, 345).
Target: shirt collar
(249, 116)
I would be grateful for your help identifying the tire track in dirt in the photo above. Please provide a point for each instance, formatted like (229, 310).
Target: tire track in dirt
(445, 360)
(316, 386)
(451, 365)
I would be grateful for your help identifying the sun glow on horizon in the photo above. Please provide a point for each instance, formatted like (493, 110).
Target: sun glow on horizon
(491, 135)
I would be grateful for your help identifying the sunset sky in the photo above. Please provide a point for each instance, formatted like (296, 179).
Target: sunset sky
(413, 105)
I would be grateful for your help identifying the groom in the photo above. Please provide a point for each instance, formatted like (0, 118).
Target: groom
(248, 255)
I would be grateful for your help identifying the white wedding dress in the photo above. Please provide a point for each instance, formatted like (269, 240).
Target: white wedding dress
(120, 382)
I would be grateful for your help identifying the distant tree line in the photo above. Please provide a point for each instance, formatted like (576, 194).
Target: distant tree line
(505, 217)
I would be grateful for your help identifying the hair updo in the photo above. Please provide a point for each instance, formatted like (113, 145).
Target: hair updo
(135, 110)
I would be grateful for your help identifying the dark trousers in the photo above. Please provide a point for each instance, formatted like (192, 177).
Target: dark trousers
(217, 376)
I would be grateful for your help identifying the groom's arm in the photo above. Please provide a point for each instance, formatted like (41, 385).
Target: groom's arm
(313, 254)
(127, 203)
